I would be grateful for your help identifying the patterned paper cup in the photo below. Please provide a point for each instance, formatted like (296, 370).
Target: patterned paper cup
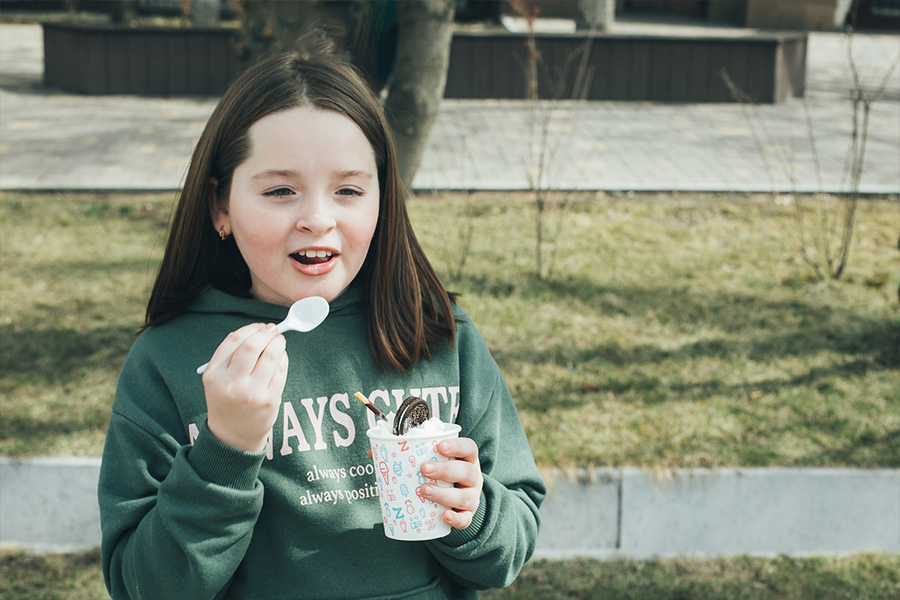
(408, 515)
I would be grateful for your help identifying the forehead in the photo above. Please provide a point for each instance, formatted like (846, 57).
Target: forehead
(305, 121)
(309, 134)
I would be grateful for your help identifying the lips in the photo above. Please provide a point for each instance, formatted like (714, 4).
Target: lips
(314, 261)
(313, 257)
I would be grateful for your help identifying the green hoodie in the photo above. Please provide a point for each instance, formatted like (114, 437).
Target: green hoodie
(185, 516)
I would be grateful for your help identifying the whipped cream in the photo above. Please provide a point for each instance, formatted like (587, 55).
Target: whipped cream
(431, 427)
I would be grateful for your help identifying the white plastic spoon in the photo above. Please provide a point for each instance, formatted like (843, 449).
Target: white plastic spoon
(304, 315)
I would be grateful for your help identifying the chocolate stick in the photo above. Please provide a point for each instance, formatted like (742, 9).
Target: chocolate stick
(370, 406)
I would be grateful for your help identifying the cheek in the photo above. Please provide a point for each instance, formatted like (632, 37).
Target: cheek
(365, 230)
(358, 224)
(255, 234)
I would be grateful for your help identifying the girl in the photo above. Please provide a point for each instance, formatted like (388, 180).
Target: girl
(254, 481)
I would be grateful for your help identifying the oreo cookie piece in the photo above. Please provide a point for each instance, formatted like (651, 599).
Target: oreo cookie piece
(412, 412)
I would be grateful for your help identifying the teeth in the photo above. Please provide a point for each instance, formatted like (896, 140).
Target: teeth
(315, 253)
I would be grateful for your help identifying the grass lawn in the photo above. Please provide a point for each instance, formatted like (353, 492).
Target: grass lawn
(869, 577)
(671, 331)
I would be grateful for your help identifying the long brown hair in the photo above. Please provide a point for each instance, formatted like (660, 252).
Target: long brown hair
(409, 311)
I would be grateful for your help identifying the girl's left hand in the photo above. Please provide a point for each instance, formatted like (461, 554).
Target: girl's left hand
(463, 497)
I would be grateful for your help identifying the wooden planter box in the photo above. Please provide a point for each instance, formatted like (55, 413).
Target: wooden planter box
(485, 64)
(768, 67)
(144, 61)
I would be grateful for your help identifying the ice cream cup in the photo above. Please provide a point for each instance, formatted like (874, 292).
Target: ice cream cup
(407, 515)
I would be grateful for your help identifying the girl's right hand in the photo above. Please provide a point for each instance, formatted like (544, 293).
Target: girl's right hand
(243, 385)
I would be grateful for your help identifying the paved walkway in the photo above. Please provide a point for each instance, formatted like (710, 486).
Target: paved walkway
(53, 140)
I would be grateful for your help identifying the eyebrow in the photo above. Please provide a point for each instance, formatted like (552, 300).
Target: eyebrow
(282, 173)
(291, 174)
(352, 173)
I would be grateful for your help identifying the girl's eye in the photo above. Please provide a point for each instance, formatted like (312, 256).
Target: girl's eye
(280, 192)
(349, 192)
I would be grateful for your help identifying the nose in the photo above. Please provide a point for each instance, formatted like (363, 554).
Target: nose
(316, 215)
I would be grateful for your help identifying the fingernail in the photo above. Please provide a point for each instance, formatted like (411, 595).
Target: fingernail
(427, 491)
(272, 327)
(428, 469)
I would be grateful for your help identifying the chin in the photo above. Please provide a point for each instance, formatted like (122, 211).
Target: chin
(329, 292)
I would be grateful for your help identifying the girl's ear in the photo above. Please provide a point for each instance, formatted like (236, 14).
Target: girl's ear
(218, 210)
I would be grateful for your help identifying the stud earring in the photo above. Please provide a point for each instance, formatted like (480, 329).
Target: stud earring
(222, 234)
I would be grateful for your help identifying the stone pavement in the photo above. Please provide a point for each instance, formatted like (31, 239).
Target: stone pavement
(56, 141)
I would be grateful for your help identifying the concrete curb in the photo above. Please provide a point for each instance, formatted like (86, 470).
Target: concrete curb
(635, 513)
(49, 505)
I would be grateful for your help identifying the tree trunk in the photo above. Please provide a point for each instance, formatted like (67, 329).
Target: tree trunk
(269, 26)
(595, 15)
(121, 12)
(205, 13)
(365, 32)
(352, 26)
(424, 32)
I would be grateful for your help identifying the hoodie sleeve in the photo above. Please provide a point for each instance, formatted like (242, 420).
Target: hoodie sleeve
(502, 536)
(176, 518)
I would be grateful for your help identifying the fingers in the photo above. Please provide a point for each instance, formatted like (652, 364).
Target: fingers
(271, 361)
(255, 350)
(458, 519)
(251, 353)
(222, 355)
(458, 472)
(461, 503)
(461, 448)
(279, 376)
(464, 496)
(243, 386)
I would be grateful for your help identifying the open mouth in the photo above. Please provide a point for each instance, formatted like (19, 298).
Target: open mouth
(313, 257)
